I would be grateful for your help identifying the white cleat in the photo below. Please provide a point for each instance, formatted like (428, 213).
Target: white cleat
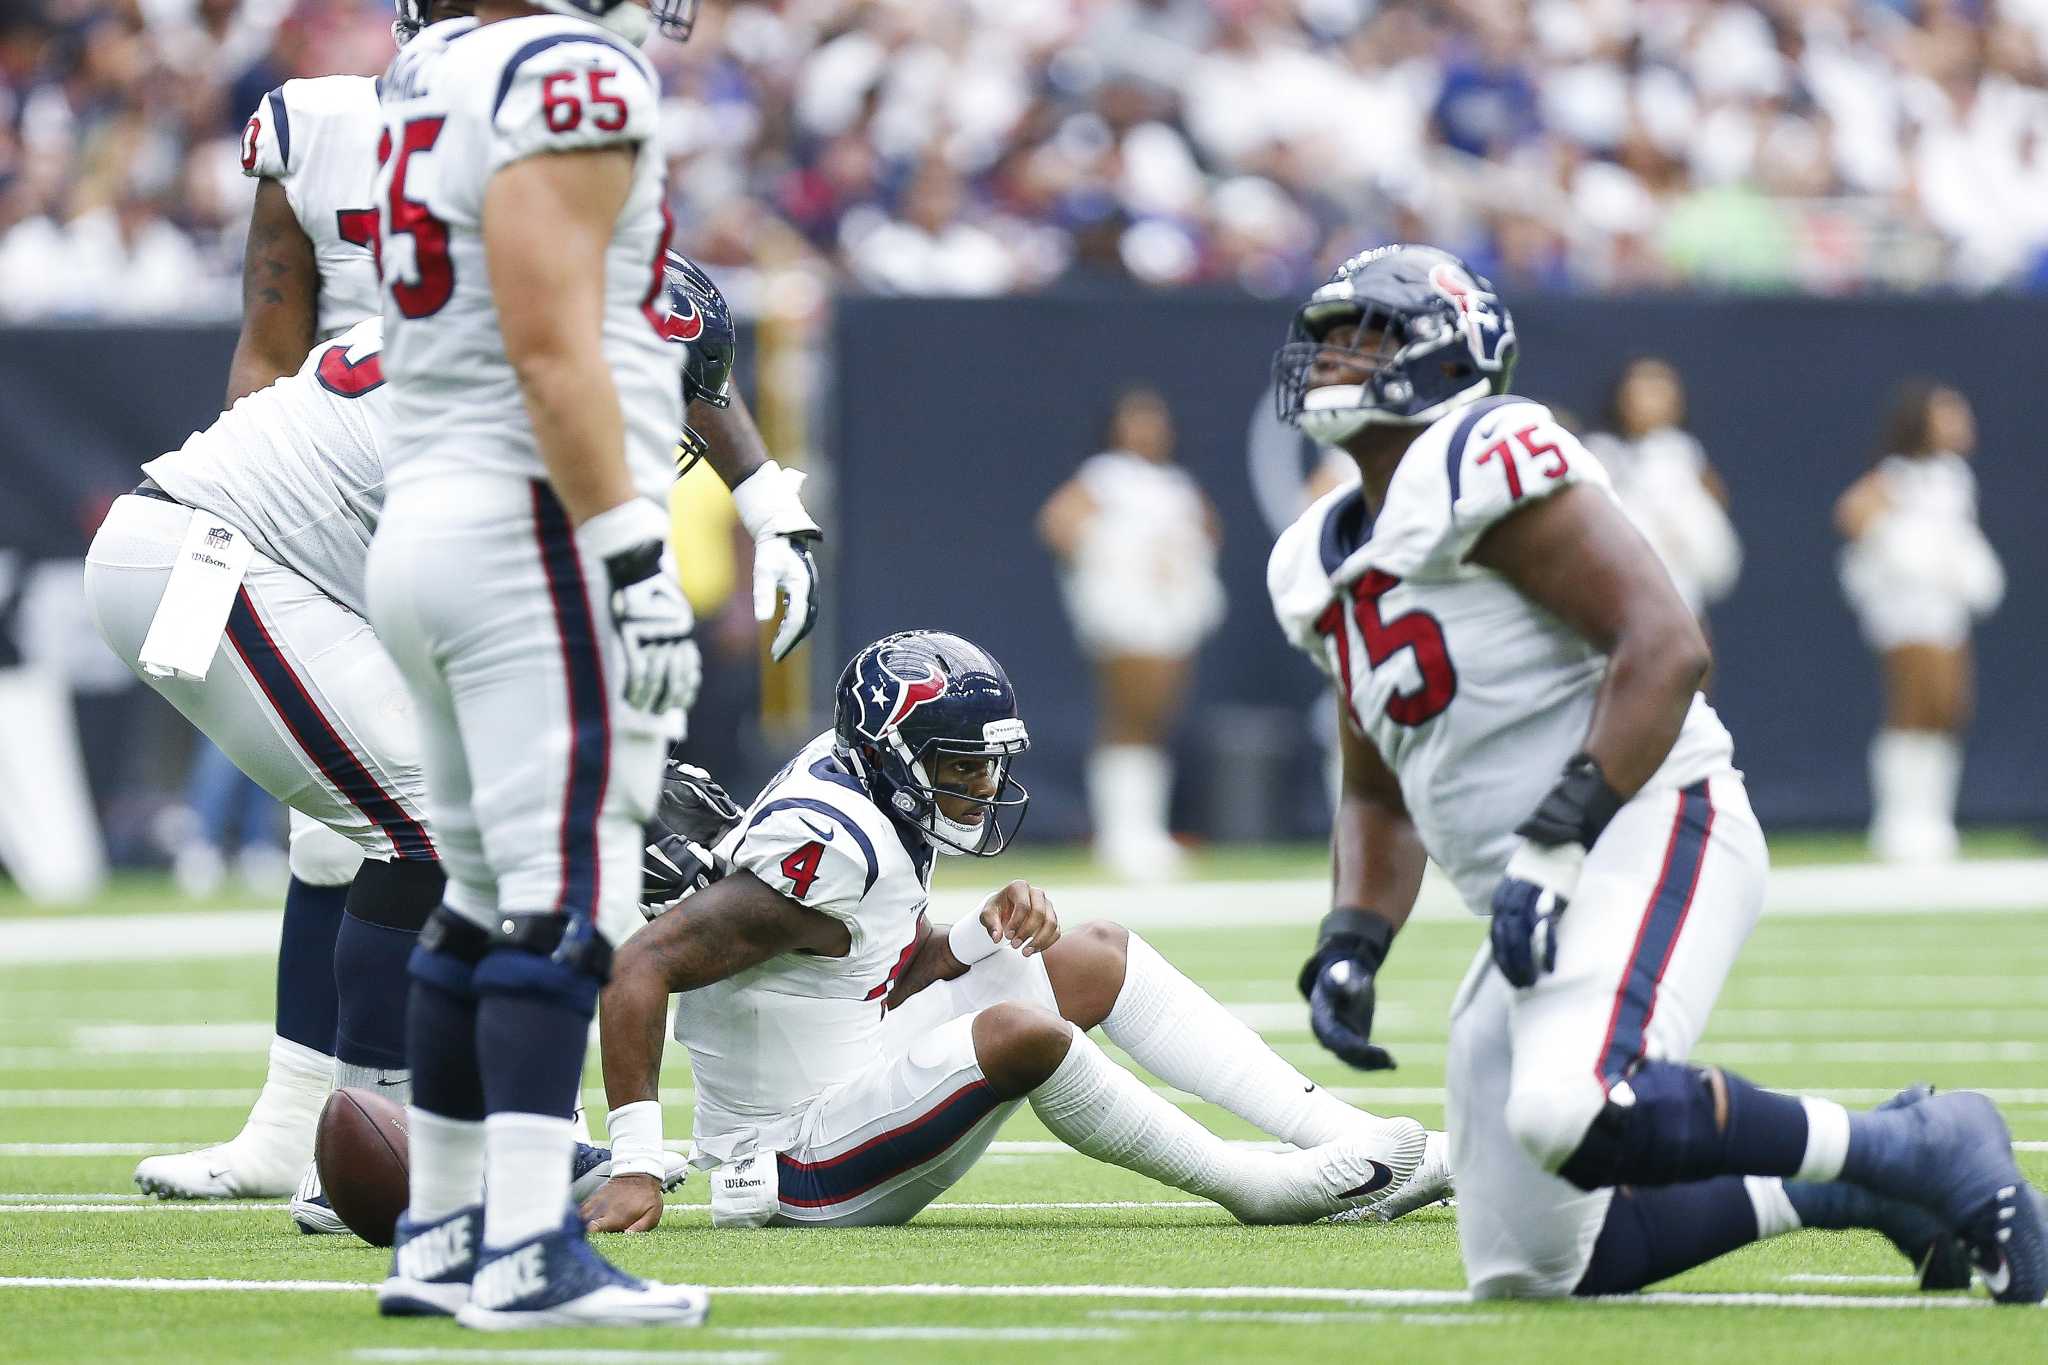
(1383, 1160)
(223, 1172)
(1431, 1184)
(310, 1210)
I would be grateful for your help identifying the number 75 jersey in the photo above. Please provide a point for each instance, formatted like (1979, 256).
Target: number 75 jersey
(460, 103)
(1474, 695)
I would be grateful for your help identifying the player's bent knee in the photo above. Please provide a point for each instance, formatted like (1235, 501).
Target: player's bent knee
(448, 952)
(1549, 1122)
(320, 857)
(1019, 1046)
(1659, 1127)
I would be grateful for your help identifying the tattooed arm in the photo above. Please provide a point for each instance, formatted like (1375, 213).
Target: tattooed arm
(280, 296)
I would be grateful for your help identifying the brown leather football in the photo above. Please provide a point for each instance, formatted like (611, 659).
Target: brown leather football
(361, 1153)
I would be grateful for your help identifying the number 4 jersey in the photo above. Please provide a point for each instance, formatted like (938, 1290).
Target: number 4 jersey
(766, 1041)
(1474, 695)
(461, 102)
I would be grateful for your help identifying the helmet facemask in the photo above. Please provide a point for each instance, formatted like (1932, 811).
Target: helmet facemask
(1393, 345)
(917, 800)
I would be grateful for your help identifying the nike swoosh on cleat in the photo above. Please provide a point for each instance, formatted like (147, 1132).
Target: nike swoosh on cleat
(1382, 1176)
(1309, 1089)
(215, 1175)
(1996, 1280)
(824, 834)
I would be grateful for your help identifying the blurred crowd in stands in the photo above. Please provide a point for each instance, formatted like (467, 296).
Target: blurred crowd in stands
(988, 146)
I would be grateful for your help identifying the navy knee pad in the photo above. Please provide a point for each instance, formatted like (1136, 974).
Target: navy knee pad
(536, 993)
(1652, 1234)
(1663, 1125)
(546, 956)
(446, 955)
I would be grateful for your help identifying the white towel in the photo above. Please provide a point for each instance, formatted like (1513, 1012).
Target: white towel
(186, 629)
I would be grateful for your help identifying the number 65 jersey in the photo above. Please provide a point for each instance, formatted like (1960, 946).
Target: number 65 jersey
(1474, 695)
(460, 103)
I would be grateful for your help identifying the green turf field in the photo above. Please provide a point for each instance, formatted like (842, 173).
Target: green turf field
(101, 1063)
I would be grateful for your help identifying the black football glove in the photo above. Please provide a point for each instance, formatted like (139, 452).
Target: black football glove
(692, 815)
(1338, 982)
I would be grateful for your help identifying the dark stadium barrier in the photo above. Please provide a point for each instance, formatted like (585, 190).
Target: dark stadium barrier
(948, 421)
(952, 420)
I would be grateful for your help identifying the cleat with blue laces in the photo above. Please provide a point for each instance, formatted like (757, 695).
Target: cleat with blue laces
(590, 1167)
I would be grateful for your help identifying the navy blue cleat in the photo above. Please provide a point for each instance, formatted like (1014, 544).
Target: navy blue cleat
(432, 1265)
(557, 1280)
(1952, 1155)
(590, 1167)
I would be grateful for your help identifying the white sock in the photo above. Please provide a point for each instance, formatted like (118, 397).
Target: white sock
(1913, 780)
(1129, 789)
(1827, 1139)
(281, 1124)
(1176, 1030)
(526, 1180)
(1775, 1215)
(1101, 1110)
(446, 1157)
(394, 1085)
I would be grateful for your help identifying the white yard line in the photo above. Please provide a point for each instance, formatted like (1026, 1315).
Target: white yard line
(2010, 885)
(69, 1149)
(542, 1357)
(1284, 1318)
(1389, 1298)
(165, 1206)
(126, 1099)
(923, 1333)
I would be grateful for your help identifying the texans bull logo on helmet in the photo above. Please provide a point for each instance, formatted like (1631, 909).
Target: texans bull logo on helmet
(888, 702)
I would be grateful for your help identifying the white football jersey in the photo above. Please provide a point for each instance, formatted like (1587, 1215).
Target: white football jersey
(1474, 695)
(766, 1041)
(318, 139)
(461, 102)
(297, 466)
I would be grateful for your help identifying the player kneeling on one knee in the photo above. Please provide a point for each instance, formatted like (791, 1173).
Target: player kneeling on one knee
(852, 1062)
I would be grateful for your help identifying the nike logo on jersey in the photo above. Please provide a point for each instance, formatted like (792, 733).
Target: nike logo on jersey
(1382, 1176)
(824, 835)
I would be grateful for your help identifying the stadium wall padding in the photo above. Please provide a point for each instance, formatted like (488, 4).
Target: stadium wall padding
(952, 420)
(948, 422)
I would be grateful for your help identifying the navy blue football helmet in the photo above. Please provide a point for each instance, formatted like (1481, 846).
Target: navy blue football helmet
(909, 697)
(696, 317)
(1433, 335)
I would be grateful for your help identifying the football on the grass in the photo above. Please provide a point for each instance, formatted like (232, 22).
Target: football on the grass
(361, 1153)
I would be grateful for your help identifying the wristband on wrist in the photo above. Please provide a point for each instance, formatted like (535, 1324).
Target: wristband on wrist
(631, 525)
(1349, 931)
(969, 940)
(769, 504)
(635, 1131)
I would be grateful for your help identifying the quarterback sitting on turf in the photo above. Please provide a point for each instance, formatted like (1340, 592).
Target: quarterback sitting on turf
(852, 1061)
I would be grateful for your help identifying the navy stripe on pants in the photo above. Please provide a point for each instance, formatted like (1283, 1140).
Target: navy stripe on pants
(836, 1179)
(1628, 1026)
(590, 738)
(315, 734)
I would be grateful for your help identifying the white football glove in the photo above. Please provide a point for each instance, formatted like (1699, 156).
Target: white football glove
(771, 507)
(654, 621)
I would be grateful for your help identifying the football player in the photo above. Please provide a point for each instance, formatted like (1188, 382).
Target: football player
(1518, 683)
(307, 276)
(520, 580)
(304, 698)
(851, 1061)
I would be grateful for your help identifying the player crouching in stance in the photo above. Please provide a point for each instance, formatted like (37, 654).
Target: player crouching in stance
(852, 1062)
(1491, 618)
